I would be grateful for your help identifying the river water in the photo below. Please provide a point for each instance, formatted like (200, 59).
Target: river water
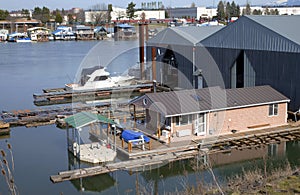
(40, 152)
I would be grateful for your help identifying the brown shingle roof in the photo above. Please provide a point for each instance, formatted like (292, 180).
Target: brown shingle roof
(209, 99)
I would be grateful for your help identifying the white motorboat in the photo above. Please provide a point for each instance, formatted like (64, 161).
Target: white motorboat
(19, 37)
(100, 79)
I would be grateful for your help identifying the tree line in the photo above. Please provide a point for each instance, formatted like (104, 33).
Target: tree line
(227, 10)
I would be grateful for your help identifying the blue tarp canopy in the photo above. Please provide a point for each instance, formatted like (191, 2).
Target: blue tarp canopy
(129, 135)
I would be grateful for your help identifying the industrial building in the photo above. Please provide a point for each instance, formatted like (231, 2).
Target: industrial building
(252, 51)
(175, 55)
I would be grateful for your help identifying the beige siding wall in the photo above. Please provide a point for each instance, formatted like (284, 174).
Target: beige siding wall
(183, 127)
(243, 118)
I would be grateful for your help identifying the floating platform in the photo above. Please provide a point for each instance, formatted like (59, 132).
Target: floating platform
(165, 153)
(96, 153)
(4, 128)
(63, 96)
(46, 116)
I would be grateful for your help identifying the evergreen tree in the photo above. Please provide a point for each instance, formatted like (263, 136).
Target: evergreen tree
(3, 14)
(26, 13)
(221, 11)
(109, 10)
(247, 11)
(71, 20)
(130, 10)
(228, 11)
(232, 10)
(238, 11)
(41, 14)
(256, 12)
(58, 17)
(166, 14)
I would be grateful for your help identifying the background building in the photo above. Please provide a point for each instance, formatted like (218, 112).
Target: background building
(252, 51)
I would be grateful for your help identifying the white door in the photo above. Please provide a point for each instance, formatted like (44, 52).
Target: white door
(200, 124)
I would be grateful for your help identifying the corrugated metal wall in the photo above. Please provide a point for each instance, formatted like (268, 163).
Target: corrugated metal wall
(281, 70)
(184, 60)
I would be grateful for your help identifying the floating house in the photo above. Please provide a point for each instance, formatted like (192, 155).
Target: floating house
(100, 32)
(63, 33)
(124, 31)
(18, 37)
(3, 34)
(38, 34)
(83, 32)
(211, 111)
(88, 137)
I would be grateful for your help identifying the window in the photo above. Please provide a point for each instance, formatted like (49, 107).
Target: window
(101, 78)
(273, 109)
(183, 120)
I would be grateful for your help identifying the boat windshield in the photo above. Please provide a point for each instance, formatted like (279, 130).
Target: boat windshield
(101, 78)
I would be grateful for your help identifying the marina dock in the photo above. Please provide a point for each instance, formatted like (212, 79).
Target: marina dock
(64, 96)
(166, 153)
(54, 96)
(4, 128)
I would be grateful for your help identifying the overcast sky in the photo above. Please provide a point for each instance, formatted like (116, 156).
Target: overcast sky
(85, 4)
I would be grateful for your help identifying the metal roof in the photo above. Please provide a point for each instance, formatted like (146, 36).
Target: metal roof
(184, 35)
(208, 99)
(85, 118)
(287, 26)
(268, 33)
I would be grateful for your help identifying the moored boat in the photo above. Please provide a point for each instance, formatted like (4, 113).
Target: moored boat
(18, 37)
(100, 79)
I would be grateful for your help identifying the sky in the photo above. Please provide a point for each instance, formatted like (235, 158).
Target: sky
(86, 4)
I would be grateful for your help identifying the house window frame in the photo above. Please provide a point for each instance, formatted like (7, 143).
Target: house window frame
(178, 120)
(273, 109)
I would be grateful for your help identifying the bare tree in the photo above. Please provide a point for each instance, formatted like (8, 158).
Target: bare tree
(120, 14)
(99, 17)
(100, 6)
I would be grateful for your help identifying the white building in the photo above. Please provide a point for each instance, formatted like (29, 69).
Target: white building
(117, 13)
(151, 14)
(120, 13)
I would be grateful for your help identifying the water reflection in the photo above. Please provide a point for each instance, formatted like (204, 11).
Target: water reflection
(97, 183)
(177, 176)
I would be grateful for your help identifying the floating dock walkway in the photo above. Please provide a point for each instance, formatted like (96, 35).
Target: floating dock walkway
(45, 116)
(48, 116)
(175, 151)
(63, 96)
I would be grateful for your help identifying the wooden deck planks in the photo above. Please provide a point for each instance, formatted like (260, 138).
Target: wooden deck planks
(159, 156)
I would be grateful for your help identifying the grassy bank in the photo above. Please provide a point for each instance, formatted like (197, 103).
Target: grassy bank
(280, 181)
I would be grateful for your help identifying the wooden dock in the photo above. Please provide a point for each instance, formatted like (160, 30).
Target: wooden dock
(137, 164)
(63, 96)
(45, 116)
(4, 128)
(175, 151)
